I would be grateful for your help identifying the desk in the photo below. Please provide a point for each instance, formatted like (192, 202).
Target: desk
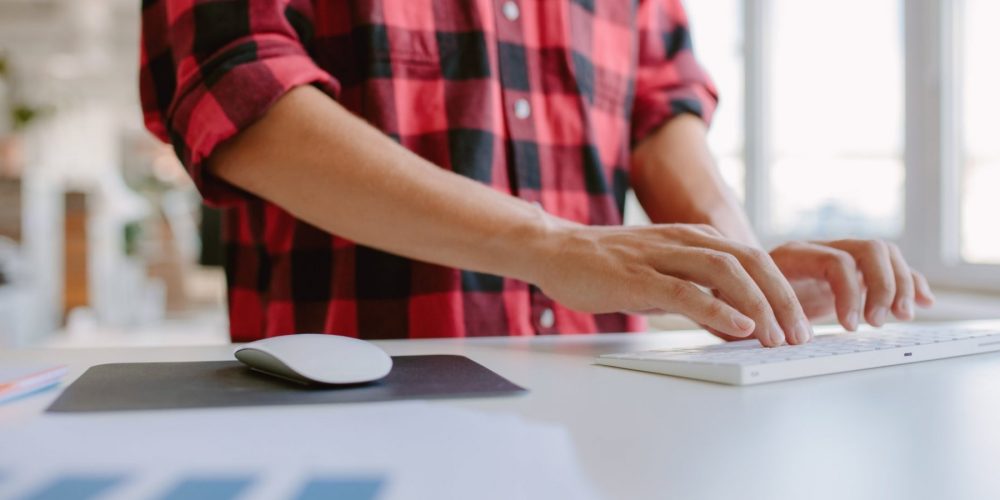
(926, 430)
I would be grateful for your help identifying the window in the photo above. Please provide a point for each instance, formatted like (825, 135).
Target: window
(834, 118)
(867, 118)
(979, 178)
(863, 118)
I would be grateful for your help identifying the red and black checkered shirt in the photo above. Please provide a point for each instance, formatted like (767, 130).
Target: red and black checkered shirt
(539, 99)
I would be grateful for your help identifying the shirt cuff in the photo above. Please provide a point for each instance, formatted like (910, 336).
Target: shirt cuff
(656, 108)
(231, 93)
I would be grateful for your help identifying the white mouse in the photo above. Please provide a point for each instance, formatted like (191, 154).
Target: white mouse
(326, 359)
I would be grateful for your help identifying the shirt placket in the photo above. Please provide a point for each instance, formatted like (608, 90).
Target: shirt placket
(519, 120)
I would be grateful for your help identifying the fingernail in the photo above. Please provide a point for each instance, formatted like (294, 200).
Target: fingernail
(803, 332)
(906, 307)
(853, 318)
(777, 334)
(743, 324)
(878, 316)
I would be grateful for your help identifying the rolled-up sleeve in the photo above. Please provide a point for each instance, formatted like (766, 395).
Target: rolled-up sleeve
(211, 68)
(669, 80)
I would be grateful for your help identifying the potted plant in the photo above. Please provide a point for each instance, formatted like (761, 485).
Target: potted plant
(15, 116)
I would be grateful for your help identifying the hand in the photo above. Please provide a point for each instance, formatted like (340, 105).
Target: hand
(657, 268)
(851, 277)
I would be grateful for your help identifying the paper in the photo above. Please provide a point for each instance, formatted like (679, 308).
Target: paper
(387, 451)
(201, 487)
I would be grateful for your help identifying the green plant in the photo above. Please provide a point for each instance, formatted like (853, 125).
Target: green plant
(21, 114)
(133, 235)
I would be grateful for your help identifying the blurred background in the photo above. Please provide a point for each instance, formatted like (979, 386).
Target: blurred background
(869, 118)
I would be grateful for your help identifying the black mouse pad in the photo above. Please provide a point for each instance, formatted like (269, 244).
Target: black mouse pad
(161, 386)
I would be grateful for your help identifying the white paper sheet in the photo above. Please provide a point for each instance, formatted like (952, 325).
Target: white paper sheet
(415, 450)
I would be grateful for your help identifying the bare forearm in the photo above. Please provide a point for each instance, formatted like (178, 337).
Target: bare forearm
(329, 168)
(676, 180)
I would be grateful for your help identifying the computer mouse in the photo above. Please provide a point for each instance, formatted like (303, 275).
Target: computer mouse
(317, 358)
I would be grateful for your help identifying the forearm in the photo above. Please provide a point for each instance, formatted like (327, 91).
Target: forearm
(676, 180)
(331, 169)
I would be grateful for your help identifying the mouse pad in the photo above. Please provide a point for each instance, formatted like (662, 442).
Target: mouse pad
(161, 386)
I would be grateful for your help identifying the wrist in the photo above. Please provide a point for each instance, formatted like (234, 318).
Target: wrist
(535, 247)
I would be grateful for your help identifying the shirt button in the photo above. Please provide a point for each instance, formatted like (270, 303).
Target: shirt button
(522, 109)
(547, 319)
(510, 11)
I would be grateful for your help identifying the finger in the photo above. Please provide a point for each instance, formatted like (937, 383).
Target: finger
(647, 312)
(790, 321)
(837, 267)
(706, 229)
(681, 297)
(723, 336)
(924, 295)
(724, 274)
(872, 257)
(902, 305)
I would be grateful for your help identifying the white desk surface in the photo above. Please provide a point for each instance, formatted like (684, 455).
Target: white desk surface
(925, 430)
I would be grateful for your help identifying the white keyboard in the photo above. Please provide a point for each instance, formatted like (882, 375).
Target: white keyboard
(746, 362)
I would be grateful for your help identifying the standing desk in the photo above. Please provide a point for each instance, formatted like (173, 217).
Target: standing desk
(925, 430)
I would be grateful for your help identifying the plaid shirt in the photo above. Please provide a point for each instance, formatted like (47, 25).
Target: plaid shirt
(539, 99)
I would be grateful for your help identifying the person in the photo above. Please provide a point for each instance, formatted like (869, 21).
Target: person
(448, 168)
